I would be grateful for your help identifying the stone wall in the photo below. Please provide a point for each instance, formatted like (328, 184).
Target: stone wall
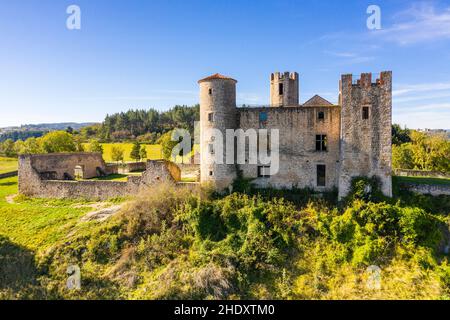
(298, 127)
(61, 166)
(31, 183)
(420, 173)
(124, 168)
(434, 190)
(366, 143)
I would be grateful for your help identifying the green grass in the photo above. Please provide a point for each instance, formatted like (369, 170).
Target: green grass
(8, 164)
(153, 151)
(36, 224)
(188, 179)
(422, 180)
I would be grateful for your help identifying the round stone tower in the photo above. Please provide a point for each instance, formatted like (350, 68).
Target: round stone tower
(217, 114)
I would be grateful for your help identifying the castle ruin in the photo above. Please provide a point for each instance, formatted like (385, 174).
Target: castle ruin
(321, 145)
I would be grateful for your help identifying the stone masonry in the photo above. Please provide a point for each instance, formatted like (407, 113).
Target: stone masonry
(36, 181)
(322, 146)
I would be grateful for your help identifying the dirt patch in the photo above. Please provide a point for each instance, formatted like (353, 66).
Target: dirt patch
(10, 198)
(101, 215)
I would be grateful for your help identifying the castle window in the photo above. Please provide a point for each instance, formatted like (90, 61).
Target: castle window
(210, 91)
(211, 173)
(211, 148)
(321, 115)
(280, 89)
(321, 169)
(365, 113)
(321, 142)
(264, 171)
(211, 117)
(263, 116)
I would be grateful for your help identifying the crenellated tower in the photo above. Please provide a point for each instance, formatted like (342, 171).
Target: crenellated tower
(217, 114)
(366, 119)
(284, 89)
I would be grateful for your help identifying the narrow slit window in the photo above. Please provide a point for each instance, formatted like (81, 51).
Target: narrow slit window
(321, 142)
(365, 113)
(211, 117)
(211, 148)
(321, 170)
(280, 89)
(210, 91)
(211, 173)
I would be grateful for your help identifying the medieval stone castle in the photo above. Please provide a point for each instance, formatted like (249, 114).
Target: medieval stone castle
(321, 145)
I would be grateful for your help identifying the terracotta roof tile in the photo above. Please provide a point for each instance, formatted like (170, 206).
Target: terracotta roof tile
(216, 76)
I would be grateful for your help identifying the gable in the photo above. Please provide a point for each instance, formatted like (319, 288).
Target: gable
(317, 101)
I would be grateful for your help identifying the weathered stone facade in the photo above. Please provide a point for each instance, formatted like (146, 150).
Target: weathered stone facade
(322, 146)
(34, 182)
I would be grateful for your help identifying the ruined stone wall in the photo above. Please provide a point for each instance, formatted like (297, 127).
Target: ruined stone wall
(366, 143)
(59, 164)
(420, 173)
(434, 190)
(31, 184)
(298, 127)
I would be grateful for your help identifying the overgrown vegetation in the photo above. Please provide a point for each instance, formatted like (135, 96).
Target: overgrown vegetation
(420, 151)
(175, 243)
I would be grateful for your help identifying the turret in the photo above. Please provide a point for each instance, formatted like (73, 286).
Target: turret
(217, 111)
(366, 119)
(284, 90)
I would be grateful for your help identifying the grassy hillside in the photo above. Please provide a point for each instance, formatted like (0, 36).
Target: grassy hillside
(8, 164)
(36, 224)
(174, 243)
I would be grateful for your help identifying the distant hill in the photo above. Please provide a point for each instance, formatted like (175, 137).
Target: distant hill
(36, 130)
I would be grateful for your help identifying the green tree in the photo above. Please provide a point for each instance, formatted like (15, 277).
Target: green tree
(58, 141)
(32, 146)
(8, 148)
(117, 153)
(399, 135)
(135, 153)
(95, 146)
(167, 145)
(19, 147)
(143, 152)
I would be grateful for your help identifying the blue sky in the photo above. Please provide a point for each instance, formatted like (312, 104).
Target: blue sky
(142, 54)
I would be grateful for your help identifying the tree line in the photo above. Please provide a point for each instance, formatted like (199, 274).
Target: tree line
(142, 125)
(417, 150)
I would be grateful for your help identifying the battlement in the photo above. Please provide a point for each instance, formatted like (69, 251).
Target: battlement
(283, 76)
(365, 80)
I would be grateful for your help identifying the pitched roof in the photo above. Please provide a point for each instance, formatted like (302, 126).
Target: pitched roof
(317, 101)
(216, 76)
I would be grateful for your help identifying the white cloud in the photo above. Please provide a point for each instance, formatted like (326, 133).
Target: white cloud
(404, 89)
(433, 107)
(422, 22)
(350, 57)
